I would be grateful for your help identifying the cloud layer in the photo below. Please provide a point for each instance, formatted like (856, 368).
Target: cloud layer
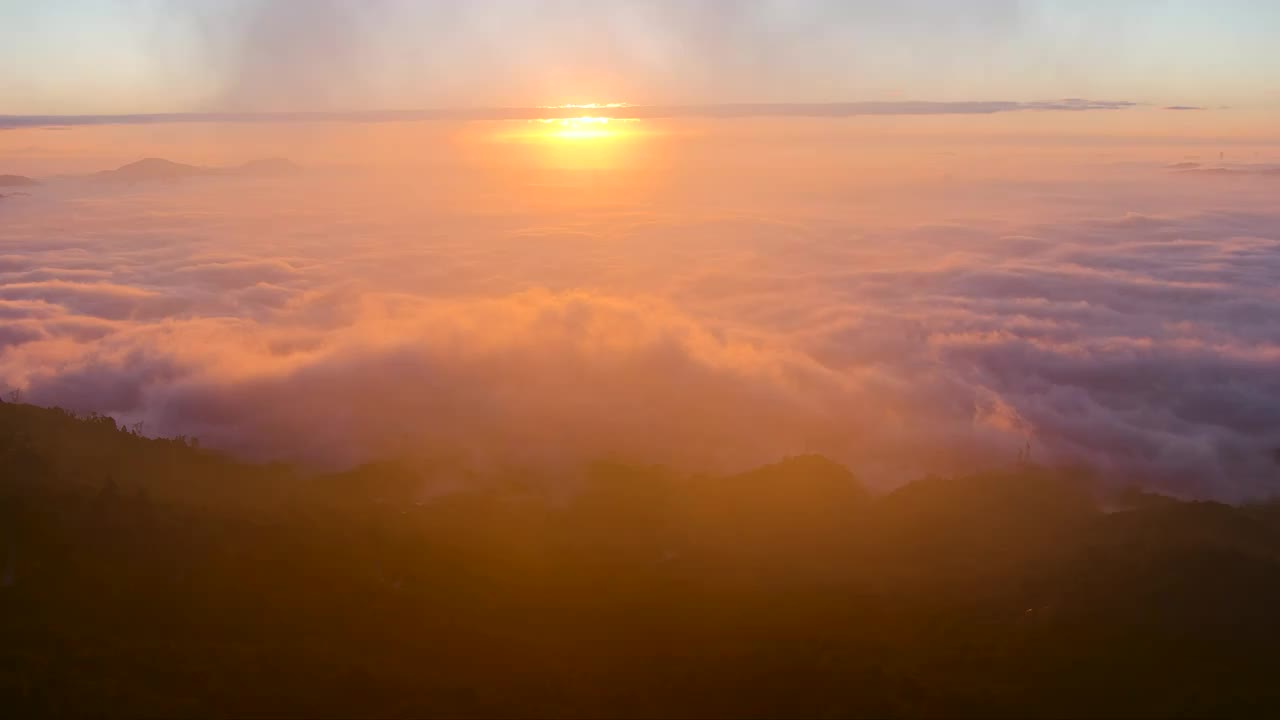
(932, 319)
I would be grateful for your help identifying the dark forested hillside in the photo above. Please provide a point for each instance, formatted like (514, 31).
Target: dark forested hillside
(152, 577)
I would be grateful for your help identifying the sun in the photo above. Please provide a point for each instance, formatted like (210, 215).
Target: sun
(594, 136)
(597, 122)
(581, 128)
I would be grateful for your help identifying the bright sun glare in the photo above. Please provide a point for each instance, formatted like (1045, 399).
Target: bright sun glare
(580, 128)
(593, 135)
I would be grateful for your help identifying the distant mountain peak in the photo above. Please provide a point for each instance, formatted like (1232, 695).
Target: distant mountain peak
(154, 168)
(16, 181)
(154, 162)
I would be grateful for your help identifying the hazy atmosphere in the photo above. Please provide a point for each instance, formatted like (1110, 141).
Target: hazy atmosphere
(131, 56)
(686, 359)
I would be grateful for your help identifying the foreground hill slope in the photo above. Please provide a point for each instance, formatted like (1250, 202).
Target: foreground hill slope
(154, 577)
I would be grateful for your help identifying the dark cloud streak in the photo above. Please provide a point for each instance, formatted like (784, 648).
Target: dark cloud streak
(728, 110)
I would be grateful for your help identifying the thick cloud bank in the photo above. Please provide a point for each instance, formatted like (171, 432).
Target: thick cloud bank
(1117, 315)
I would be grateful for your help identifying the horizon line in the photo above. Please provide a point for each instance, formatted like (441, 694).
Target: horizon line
(612, 110)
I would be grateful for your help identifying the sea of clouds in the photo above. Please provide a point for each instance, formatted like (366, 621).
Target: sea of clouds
(935, 315)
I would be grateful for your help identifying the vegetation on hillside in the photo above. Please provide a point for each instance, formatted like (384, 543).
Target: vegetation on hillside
(150, 577)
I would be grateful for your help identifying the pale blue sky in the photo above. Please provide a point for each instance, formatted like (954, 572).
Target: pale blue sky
(119, 56)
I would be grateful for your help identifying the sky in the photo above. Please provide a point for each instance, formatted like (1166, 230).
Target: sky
(141, 56)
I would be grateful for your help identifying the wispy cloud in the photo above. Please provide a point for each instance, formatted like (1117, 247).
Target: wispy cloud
(730, 110)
